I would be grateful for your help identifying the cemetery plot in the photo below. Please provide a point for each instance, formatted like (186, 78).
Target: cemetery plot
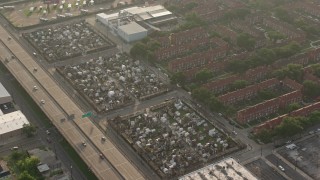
(173, 138)
(113, 82)
(66, 41)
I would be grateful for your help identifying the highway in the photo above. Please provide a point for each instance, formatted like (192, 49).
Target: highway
(66, 115)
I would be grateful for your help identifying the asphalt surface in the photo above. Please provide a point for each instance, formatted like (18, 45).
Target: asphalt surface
(263, 171)
(288, 170)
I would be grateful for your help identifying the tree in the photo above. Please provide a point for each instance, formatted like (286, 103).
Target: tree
(246, 41)
(290, 126)
(283, 15)
(29, 130)
(201, 94)
(266, 94)
(203, 75)
(190, 6)
(287, 50)
(265, 136)
(239, 84)
(311, 89)
(139, 50)
(275, 35)
(267, 54)
(316, 69)
(26, 176)
(314, 118)
(295, 71)
(293, 106)
(178, 77)
(29, 164)
(214, 104)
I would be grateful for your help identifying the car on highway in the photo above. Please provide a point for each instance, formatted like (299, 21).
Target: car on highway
(14, 148)
(101, 156)
(281, 168)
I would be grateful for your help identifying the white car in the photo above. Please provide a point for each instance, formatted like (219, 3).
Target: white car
(281, 168)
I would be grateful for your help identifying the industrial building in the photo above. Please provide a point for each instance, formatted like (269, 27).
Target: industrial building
(5, 97)
(132, 32)
(225, 169)
(132, 23)
(11, 124)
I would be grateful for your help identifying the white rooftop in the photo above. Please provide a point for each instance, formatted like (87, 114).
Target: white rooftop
(233, 170)
(132, 28)
(3, 92)
(146, 13)
(43, 168)
(12, 121)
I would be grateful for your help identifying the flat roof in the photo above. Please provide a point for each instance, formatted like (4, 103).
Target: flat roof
(230, 167)
(12, 121)
(132, 28)
(43, 168)
(3, 92)
(138, 10)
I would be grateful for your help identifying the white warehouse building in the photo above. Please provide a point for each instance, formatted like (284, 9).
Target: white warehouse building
(132, 32)
(132, 24)
(11, 124)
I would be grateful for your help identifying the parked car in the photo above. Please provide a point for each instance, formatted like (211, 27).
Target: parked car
(311, 132)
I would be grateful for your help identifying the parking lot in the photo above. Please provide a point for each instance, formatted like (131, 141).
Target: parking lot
(263, 171)
(306, 156)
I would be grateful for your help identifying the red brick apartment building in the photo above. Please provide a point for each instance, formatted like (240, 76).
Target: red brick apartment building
(313, 9)
(257, 74)
(285, 28)
(272, 123)
(183, 37)
(197, 60)
(213, 66)
(312, 55)
(177, 50)
(247, 92)
(251, 75)
(221, 85)
(226, 32)
(268, 107)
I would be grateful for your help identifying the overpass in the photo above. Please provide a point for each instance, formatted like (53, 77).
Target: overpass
(65, 114)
